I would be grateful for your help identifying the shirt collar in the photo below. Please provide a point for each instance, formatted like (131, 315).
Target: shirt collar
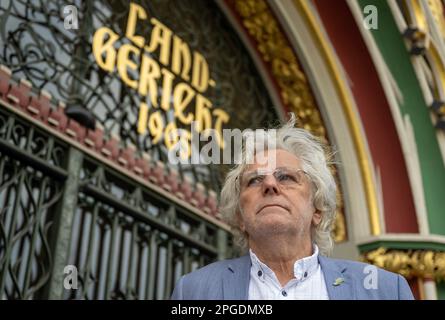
(303, 268)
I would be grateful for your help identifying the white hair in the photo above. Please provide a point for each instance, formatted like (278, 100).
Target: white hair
(314, 156)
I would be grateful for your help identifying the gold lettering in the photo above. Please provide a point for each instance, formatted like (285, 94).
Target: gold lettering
(181, 59)
(160, 36)
(182, 96)
(203, 117)
(147, 83)
(156, 126)
(200, 76)
(167, 83)
(178, 139)
(100, 46)
(124, 61)
(171, 135)
(142, 120)
(135, 12)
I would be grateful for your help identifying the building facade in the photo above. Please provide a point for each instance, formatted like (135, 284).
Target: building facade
(93, 95)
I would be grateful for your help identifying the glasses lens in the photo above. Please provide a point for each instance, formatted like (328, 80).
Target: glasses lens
(284, 176)
(288, 176)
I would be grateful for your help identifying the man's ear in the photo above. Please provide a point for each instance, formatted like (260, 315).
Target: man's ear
(316, 218)
(240, 221)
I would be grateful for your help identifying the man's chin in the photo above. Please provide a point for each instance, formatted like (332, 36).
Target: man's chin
(273, 210)
(276, 224)
(274, 217)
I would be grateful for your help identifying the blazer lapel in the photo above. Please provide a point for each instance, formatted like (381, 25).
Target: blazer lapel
(236, 279)
(338, 284)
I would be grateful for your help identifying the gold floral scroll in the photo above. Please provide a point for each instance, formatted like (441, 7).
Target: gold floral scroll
(409, 263)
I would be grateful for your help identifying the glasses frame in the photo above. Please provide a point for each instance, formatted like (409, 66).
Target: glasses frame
(266, 173)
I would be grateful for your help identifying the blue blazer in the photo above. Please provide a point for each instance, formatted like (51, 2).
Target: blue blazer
(229, 280)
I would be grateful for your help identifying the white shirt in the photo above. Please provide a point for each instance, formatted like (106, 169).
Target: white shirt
(308, 284)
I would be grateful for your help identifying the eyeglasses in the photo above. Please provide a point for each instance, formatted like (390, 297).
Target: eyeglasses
(283, 175)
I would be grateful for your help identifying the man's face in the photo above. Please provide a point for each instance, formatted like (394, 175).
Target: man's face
(272, 206)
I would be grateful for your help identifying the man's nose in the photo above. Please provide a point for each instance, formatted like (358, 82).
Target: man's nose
(270, 185)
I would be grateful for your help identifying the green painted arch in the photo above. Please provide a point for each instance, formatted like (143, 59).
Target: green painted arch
(394, 51)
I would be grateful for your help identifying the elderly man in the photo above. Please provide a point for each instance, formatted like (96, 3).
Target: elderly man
(281, 210)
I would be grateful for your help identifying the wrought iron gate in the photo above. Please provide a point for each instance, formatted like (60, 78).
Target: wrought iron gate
(59, 205)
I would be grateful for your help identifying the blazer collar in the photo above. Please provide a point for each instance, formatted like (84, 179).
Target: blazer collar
(236, 281)
(338, 283)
